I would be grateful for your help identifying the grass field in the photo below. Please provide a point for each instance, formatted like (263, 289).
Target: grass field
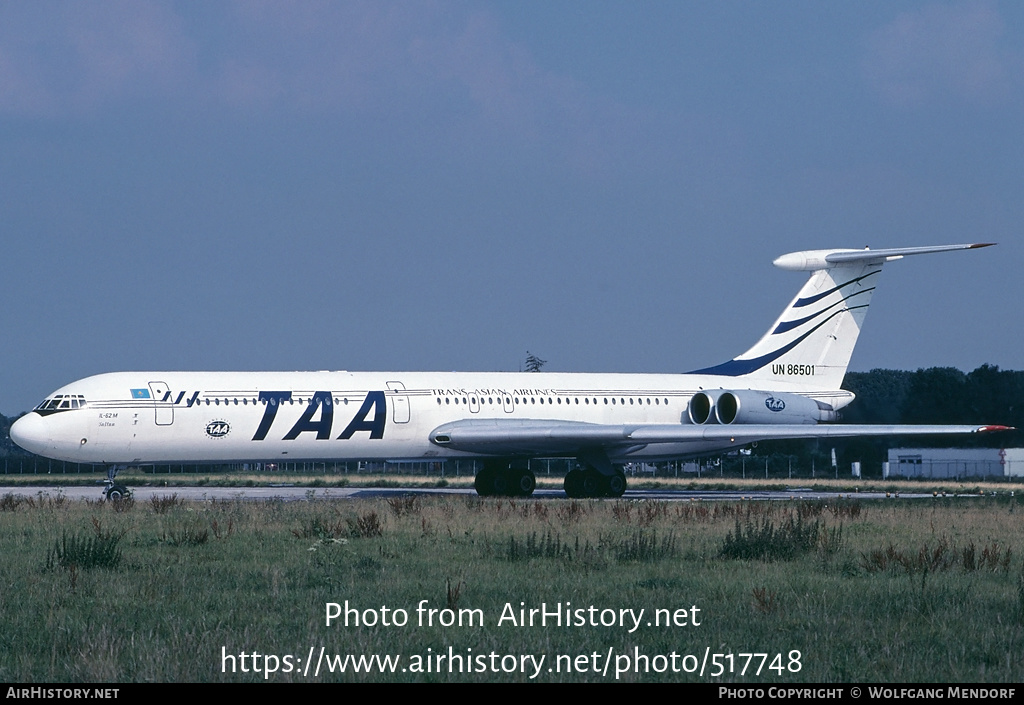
(134, 477)
(163, 590)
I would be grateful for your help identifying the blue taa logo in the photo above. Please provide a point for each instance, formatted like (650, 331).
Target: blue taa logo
(217, 429)
(774, 404)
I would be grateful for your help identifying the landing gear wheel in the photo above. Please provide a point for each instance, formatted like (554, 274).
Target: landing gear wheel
(117, 492)
(501, 484)
(484, 482)
(524, 482)
(574, 483)
(616, 484)
(594, 483)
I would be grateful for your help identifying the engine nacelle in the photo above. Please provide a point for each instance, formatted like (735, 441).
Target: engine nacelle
(701, 408)
(749, 406)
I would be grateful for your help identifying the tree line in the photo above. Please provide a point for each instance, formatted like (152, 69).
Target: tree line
(937, 395)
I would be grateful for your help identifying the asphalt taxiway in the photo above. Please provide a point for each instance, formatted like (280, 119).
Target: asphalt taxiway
(296, 493)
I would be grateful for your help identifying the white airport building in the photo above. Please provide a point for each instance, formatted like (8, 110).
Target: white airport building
(954, 462)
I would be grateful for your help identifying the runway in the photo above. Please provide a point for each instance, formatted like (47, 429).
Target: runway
(290, 493)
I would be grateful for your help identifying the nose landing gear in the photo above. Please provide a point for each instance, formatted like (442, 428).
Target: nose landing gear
(113, 490)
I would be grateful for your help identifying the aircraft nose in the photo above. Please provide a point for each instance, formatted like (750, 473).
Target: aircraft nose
(30, 432)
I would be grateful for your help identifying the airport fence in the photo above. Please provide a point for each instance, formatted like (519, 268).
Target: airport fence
(775, 466)
(35, 465)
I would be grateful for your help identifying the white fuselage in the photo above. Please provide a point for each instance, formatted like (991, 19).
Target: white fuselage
(184, 417)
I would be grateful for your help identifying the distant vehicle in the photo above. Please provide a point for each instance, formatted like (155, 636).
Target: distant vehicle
(785, 386)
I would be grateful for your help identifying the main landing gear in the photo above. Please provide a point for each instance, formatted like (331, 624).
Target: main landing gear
(505, 479)
(111, 489)
(581, 482)
(595, 476)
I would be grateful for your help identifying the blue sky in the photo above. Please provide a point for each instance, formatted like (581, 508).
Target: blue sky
(418, 186)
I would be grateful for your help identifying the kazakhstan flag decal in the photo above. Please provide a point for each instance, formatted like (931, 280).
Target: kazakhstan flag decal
(140, 394)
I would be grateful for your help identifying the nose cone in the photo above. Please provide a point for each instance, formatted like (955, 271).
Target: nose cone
(30, 432)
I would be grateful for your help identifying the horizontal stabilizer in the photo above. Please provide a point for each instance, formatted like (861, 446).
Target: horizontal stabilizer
(812, 260)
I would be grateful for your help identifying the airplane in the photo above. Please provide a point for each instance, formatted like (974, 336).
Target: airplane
(788, 385)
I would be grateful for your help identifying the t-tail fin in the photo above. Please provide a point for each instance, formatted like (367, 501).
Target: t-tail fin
(814, 337)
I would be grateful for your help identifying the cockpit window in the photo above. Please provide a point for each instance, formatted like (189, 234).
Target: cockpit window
(61, 402)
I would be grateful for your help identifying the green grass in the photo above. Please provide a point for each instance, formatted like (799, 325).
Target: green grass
(922, 591)
(134, 477)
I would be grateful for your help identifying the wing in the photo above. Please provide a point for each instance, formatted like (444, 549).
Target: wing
(559, 438)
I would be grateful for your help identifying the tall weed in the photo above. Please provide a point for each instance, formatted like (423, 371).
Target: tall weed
(78, 552)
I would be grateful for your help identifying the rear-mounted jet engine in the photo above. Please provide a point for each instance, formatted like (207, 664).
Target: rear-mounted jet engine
(748, 406)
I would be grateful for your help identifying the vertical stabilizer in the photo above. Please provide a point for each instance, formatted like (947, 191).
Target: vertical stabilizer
(813, 340)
